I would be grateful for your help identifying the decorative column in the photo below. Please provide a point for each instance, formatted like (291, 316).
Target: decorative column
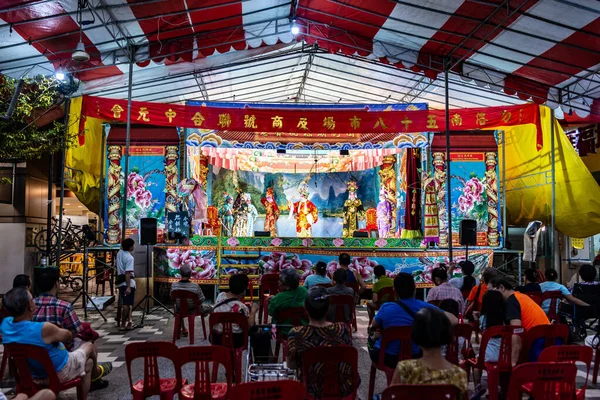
(492, 197)
(439, 177)
(387, 175)
(412, 213)
(114, 195)
(171, 178)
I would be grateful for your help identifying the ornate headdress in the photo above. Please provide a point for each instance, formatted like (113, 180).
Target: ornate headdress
(352, 186)
(303, 189)
(226, 196)
(270, 192)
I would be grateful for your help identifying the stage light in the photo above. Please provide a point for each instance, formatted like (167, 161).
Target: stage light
(60, 75)
(295, 29)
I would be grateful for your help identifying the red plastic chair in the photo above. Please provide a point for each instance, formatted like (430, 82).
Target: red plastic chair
(570, 354)
(20, 353)
(152, 384)
(293, 314)
(227, 320)
(340, 302)
(269, 390)
(596, 365)
(388, 335)
(504, 364)
(550, 334)
(182, 297)
(543, 381)
(453, 350)
(204, 387)
(388, 293)
(555, 296)
(355, 287)
(269, 286)
(535, 296)
(330, 379)
(421, 392)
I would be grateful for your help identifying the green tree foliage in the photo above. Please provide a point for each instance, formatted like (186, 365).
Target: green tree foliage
(20, 138)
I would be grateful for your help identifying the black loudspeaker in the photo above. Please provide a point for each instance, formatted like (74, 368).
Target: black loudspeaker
(147, 231)
(360, 234)
(468, 232)
(262, 233)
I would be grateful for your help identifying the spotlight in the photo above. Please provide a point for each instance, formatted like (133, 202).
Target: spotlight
(60, 75)
(295, 29)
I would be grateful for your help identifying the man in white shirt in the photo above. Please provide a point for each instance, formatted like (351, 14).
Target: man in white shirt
(126, 281)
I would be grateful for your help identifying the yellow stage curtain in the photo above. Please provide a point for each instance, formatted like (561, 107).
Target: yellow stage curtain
(84, 158)
(529, 180)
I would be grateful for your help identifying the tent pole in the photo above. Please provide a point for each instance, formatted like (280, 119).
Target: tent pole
(553, 171)
(49, 208)
(504, 218)
(448, 187)
(127, 142)
(62, 183)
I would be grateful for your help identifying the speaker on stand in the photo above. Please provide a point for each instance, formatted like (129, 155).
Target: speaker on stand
(468, 234)
(147, 233)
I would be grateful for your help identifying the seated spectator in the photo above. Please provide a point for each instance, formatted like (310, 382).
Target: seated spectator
(22, 281)
(352, 276)
(588, 291)
(382, 282)
(319, 332)
(19, 328)
(475, 298)
(552, 286)
(590, 275)
(184, 284)
(50, 308)
(290, 295)
(399, 313)
(431, 331)
(531, 282)
(233, 301)
(521, 310)
(443, 289)
(466, 282)
(44, 394)
(339, 288)
(319, 277)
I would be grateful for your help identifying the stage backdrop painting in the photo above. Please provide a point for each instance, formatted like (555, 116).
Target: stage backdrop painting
(328, 191)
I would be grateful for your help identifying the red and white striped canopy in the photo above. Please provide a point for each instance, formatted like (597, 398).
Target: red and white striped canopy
(539, 50)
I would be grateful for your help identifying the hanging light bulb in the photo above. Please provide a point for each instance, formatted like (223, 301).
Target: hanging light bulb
(295, 29)
(59, 74)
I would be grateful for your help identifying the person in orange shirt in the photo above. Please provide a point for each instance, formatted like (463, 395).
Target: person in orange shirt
(475, 298)
(521, 310)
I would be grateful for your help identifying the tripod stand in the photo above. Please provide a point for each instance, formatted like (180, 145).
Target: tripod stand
(85, 296)
(146, 300)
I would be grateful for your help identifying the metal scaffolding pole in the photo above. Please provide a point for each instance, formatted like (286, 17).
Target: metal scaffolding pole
(553, 173)
(49, 208)
(62, 184)
(504, 217)
(448, 186)
(127, 142)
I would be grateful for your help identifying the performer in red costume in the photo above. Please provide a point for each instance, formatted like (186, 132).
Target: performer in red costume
(271, 212)
(305, 213)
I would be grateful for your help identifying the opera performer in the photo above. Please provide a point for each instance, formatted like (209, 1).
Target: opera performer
(271, 212)
(305, 213)
(226, 215)
(353, 211)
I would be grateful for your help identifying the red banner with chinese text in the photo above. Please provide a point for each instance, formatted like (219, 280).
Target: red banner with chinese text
(324, 124)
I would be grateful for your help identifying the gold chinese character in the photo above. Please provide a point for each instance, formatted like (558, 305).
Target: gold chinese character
(302, 124)
(506, 116)
(224, 120)
(278, 134)
(117, 110)
(277, 121)
(321, 135)
(170, 114)
(198, 119)
(520, 115)
(406, 122)
(480, 119)
(456, 120)
(355, 122)
(380, 123)
(250, 121)
(144, 114)
(431, 122)
(329, 123)
(307, 134)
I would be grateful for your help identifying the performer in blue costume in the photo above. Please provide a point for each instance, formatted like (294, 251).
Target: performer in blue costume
(226, 215)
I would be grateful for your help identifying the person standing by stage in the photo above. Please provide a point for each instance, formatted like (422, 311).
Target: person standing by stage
(240, 213)
(353, 211)
(252, 215)
(271, 212)
(126, 282)
(305, 213)
(226, 215)
(384, 215)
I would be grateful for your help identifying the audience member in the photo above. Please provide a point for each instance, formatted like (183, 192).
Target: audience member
(290, 295)
(552, 286)
(233, 301)
(44, 394)
(383, 281)
(577, 278)
(22, 281)
(49, 308)
(125, 282)
(443, 289)
(319, 332)
(475, 298)
(431, 331)
(586, 290)
(319, 277)
(466, 282)
(399, 313)
(339, 288)
(352, 276)
(19, 328)
(184, 284)
(531, 282)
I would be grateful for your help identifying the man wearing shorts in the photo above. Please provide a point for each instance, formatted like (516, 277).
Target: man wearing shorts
(126, 282)
(19, 328)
